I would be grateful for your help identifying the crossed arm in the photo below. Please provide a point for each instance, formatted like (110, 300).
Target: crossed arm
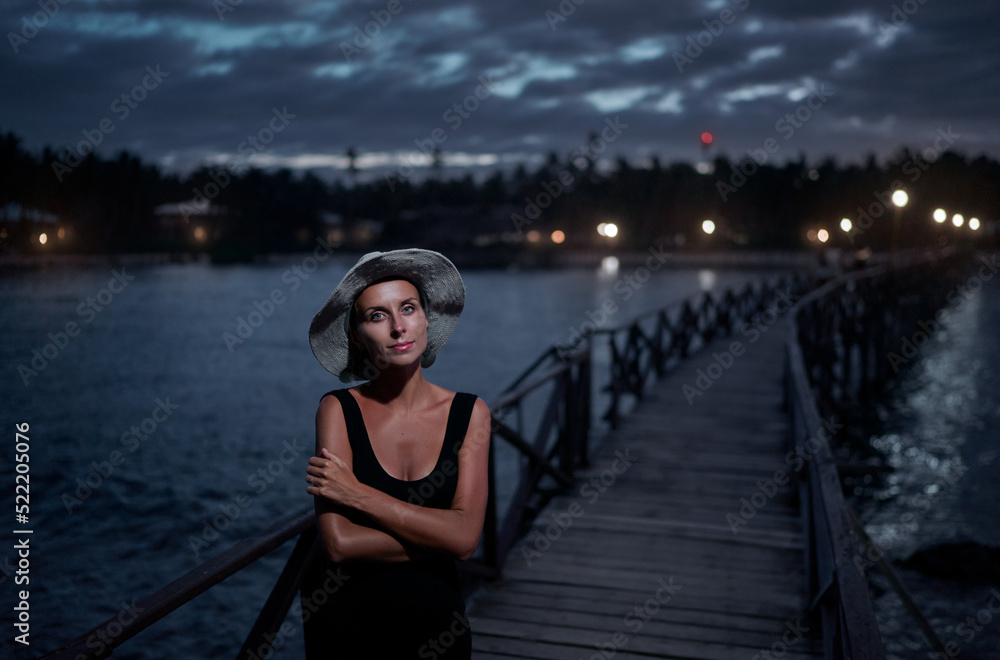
(357, 521)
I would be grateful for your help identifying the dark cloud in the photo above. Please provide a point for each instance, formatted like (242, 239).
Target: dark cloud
(889, 75)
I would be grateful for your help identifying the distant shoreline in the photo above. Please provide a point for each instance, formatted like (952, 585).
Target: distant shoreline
(572, 258)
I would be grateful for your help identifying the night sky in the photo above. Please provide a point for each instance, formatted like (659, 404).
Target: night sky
(294, 83)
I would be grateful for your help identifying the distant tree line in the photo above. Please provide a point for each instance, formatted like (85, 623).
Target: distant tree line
(109, 203)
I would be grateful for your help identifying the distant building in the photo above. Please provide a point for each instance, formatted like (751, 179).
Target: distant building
(458, 226)
(14, 212)
(191, 221)
(24, 227)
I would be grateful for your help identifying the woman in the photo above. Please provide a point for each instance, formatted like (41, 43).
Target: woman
(400, 475)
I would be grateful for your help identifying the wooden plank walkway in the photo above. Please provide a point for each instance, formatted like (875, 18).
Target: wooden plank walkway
(650, 567)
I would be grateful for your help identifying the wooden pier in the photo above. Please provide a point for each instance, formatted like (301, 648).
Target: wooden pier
(639, 560)
(692, 531)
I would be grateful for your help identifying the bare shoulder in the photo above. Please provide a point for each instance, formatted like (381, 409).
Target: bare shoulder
(477, 437)
(480, 411)
(330, 407)
(331, 427)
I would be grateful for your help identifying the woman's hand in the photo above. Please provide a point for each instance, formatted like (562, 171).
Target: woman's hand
(332, 478)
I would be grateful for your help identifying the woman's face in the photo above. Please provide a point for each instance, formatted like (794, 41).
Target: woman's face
(391, 324)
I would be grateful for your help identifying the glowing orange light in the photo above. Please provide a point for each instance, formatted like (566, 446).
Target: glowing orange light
(558, 236)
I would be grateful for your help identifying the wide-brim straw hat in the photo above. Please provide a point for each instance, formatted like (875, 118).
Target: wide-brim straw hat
(441, 290)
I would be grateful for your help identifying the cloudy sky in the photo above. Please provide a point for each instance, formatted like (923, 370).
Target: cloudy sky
(295, 82)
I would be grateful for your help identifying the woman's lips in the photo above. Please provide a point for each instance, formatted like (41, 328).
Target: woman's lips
(402, 347)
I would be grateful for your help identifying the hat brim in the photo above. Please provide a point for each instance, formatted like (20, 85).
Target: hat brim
(440, 286)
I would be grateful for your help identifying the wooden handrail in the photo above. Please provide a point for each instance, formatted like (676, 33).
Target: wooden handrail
(838, 589)
(161, 603)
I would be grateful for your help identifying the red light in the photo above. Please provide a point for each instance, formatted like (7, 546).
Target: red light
(706, 137)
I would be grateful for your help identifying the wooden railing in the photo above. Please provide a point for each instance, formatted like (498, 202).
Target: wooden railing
(557, 447)
(837, 354)
(158, 605)
(652, 343)
(550, 453)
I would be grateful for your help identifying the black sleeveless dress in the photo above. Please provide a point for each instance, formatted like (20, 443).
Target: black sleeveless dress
(397, 610)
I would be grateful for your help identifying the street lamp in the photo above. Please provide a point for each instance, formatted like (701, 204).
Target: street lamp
(940, 215)
(607, 229)
(846, 224)
(708, 227)
(958, 219)
(899, 200)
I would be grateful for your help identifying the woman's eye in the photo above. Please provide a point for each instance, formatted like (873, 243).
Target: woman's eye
(408, 308)
(376, 316)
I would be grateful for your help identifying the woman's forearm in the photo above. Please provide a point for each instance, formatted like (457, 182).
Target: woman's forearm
(345, 539)
(453, 531)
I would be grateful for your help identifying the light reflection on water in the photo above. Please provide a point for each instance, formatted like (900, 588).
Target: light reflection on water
(941, 439)
(939, 409)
